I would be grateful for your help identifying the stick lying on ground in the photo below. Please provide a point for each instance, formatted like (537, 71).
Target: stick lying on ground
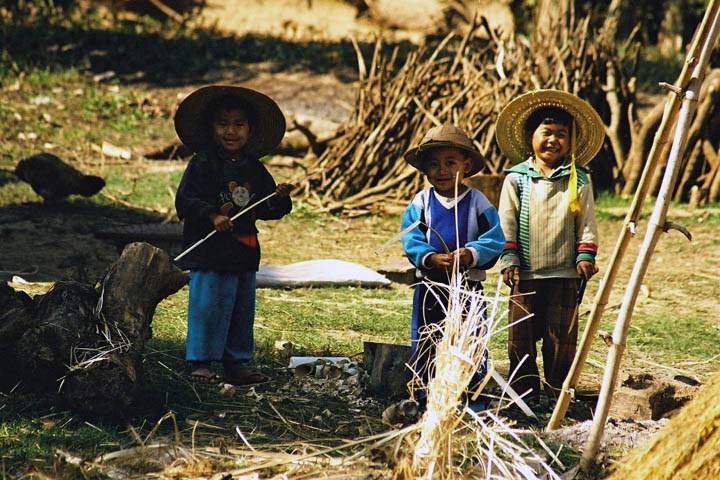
(243, 212)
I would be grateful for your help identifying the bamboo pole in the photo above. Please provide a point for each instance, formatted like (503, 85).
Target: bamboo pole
(657, 151)
(656, 225)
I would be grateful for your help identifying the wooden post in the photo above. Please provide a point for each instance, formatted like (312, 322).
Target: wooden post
(657, 152)
(656, 226)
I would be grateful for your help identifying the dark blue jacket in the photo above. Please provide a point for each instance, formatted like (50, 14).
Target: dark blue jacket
(212, 184)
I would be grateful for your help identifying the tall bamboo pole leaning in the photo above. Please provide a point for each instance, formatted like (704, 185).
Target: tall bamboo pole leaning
(657, 152)
(656, 226)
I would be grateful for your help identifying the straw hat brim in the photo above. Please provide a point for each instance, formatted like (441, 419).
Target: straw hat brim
(267, 129)
(414, 155)
(510, 127)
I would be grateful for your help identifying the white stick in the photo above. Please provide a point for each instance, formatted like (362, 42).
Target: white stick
(213, 232)
(505, 386)
(241, 213)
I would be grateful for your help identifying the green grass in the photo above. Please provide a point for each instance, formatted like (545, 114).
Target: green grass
(677, 324)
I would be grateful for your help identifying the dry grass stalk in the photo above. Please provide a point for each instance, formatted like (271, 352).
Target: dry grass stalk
(454, 441)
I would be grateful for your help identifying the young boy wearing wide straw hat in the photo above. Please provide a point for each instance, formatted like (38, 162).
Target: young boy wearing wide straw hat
(230, 128)
(548, 217)
(446, 155)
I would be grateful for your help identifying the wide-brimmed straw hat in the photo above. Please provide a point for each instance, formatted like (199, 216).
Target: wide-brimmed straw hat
(510, 129)
(446, 135)
(266, 131)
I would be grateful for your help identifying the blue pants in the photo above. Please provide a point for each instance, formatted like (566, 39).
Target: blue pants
(428, 309)
(221, 313)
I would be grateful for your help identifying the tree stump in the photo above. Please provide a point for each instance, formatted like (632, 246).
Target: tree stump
(87, 344)
(644, 397)
(386, 365)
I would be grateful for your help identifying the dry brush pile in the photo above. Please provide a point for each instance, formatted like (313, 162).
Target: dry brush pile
(468, 80)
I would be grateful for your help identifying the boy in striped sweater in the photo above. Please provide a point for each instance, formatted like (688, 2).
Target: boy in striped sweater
(446, 155)
(548, 218)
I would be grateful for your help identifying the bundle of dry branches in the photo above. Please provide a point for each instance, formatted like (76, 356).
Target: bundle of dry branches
(462, 80)
(468, 81)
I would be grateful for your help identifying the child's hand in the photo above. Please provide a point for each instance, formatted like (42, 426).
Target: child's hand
(586, 269)
(441, 261)
(221, 223)
(284, 189)
(511, 276)
(465, 256)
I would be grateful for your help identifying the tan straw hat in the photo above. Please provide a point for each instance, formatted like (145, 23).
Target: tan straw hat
(446, 135)
(267, 127)
(510, 127)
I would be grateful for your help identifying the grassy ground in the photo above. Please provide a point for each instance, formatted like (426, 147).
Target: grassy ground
(675, 327)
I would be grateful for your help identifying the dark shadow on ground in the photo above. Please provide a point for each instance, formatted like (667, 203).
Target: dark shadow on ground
(56, 242)
(154, 56)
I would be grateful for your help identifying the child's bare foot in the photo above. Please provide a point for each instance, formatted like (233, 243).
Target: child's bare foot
(238, 374)
(201, 372)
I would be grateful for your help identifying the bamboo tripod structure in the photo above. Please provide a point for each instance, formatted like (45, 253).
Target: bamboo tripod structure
(656, 226)
(658, 151)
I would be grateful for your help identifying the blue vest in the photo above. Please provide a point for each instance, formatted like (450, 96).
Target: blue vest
(443, 222)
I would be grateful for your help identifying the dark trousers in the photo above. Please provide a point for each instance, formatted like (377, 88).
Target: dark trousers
(553, 307)
(430, 309)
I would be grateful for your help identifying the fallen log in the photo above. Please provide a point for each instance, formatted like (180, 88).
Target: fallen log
(86, 344)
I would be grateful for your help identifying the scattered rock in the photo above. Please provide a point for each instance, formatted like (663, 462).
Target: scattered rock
(402, 413)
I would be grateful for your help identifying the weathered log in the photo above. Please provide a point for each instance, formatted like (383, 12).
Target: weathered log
(16, 317)
(387, 366)
(86, 344)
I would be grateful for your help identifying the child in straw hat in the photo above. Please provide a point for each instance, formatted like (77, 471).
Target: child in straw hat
(229, 128)
(548, 217)
(446, 155)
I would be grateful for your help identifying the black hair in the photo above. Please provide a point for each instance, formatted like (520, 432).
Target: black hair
(547, 116)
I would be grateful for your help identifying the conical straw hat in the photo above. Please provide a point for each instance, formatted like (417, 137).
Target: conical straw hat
(266, 132)
(510, 129)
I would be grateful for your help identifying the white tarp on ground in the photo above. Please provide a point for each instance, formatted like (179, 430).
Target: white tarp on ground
(319, 273)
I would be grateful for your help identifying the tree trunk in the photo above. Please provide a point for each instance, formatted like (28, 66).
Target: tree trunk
(88, 344)
(386, 365)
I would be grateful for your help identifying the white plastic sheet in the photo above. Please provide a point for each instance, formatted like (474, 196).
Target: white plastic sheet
(319, 273)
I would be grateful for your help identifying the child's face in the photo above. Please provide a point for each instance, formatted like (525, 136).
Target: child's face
(550, 143)
(442, 165)
(231, 129)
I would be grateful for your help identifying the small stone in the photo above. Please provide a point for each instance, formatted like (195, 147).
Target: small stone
(41, 100)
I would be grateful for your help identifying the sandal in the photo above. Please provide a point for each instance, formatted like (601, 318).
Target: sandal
(201, 373)
(239, 375)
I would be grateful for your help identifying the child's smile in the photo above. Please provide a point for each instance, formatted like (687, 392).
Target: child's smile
(443, 165)
(550, 143)
(231, 129)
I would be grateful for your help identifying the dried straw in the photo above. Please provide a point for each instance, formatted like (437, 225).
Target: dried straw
(454, 441)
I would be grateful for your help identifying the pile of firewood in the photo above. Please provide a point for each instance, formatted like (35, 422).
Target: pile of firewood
(462, 80)
(468, 81)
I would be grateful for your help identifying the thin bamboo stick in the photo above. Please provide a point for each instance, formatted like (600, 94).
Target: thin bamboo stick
(657, 152)
(656, 226)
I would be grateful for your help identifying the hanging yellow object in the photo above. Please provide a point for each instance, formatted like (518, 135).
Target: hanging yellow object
(573, 202)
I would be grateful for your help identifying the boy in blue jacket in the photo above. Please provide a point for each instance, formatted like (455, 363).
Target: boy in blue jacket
(445, 154)
(230, 128)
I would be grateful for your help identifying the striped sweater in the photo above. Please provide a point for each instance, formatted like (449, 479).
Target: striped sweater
(542, 237)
